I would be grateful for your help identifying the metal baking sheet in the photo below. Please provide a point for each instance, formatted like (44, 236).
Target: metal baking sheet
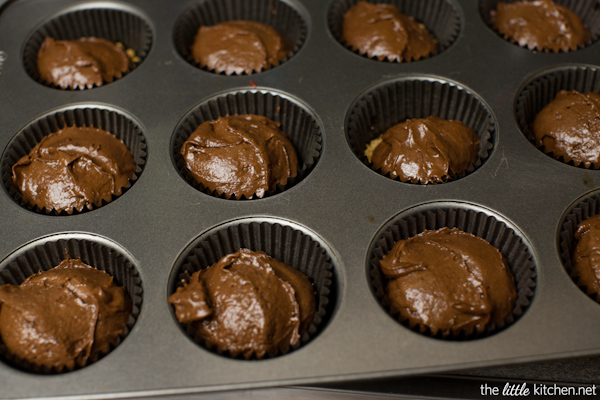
(341, 203)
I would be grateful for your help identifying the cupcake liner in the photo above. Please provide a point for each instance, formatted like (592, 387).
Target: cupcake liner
(468, 219)
(285, 243)
(440, 17)
(543, 88)
(115, 122)
(46, 253)
(106, 22)
(587, 10)
(583, 209)
(277, 14)
(393, 102)
(296, 121)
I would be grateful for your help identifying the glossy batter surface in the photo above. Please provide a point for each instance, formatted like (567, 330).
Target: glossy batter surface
(541, 25)
(586, 257)
(236, 47)
(81, 63)
(62, 317)
(569, 127)
(240, 155)
(426, 150)
(380, 30)
(449, 281)
(74, 168)
(247, 303)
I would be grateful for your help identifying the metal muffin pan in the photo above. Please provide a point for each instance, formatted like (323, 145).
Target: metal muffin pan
(340, 203)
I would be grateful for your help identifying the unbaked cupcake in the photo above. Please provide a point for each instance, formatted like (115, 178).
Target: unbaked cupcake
(86, 48)
(247, 304)
(451, 271)
(74, 168)
(89, 314)
(449, 281)
(424, 150)
(240, 155)
(568, 127)
(540, 25)
(381, 31)
(226, 282)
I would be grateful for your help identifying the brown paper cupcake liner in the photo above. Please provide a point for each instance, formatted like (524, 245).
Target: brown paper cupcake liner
(392, 102)
(440, 17)
(286, 243)
(278, 14)
(119, 124)
(467, 218)
(540, 90)
(297, 122)
(46, 253)
(583, 209)
(116, 24)
(587, 10)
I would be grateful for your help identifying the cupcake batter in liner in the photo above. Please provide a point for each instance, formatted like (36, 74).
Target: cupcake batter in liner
(275, 14)
(542, 89)
(295, 121)
(439, 17)
(115, 122)
(394, 102)
(586, 10)
(130, 29)
(467, 219)
(583, 209)
(46, 253)
(281, 242)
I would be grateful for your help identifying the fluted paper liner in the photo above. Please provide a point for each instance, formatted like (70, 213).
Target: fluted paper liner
(297, 122)
(113, 24)
(115, 122)
(478, 223)
(393, 102)
(46, 253)
(282, 242)
(579, 212)
(439, 17)
(587, 10)
(543, 88)
(279, 15)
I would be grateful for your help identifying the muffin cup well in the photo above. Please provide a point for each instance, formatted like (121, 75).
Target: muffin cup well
(581, 210)
(286, 243)
(297, 122)
(587, 10)
(116, 122)
(540, 90)
(392, 102)
(467, 218)
(113, 22)
(440, 17)
(275, 13)
(47, 252)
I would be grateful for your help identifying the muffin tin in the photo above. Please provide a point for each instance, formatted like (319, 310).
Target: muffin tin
(342, 207)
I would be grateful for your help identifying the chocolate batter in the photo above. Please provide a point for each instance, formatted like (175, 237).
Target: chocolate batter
(63, 317)
(247, 303)
(569, 127)
(240, 155)
(541, 25)
(237, 47)
(426, 150)
(449, 281)
(81, 63)
(74, 168)
(586, 258)
(380, 30)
